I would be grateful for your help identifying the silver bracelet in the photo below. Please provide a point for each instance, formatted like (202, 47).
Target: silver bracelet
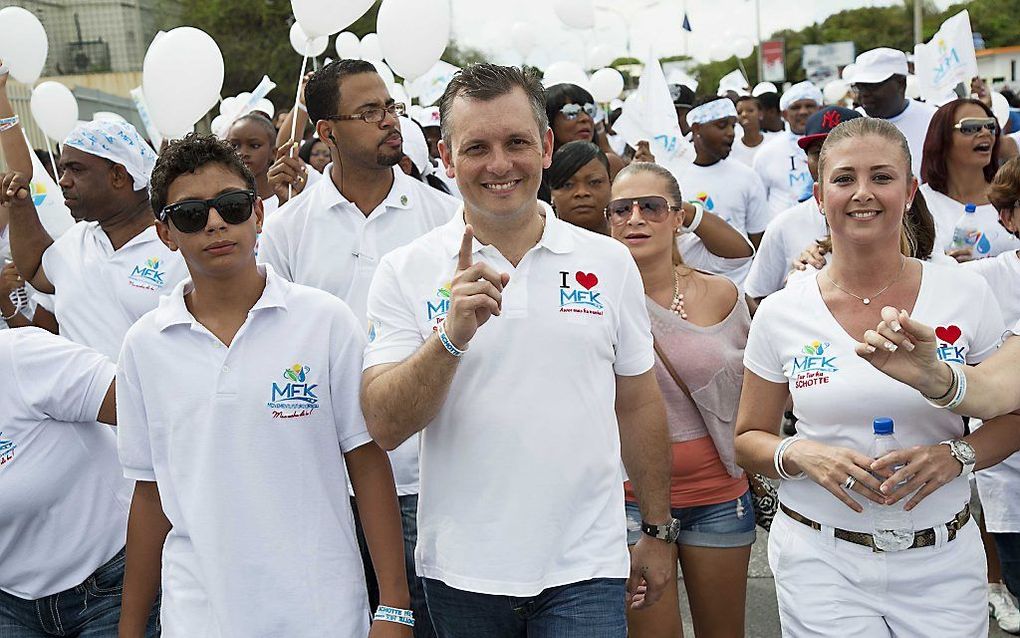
(777, 459)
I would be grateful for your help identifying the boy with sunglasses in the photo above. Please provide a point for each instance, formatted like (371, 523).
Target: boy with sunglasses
(239, 460)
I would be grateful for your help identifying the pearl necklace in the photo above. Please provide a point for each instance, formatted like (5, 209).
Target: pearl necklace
(677, 305)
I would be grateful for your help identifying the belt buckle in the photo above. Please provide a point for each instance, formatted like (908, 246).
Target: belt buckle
(875, 549)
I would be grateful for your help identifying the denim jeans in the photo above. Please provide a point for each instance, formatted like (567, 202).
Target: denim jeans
(409, 520)
(88, 610)
(589, 609)
(1009, 559)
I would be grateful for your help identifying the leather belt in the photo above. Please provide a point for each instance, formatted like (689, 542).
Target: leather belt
(923, 538)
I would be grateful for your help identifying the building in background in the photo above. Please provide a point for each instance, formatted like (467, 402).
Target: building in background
(1000, 67)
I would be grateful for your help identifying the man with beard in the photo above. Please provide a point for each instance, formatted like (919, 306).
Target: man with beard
(781, 164)
(724, 186)
(880, 79)
(334, 234)
(110, 268)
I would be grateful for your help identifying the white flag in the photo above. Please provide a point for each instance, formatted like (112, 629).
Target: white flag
(48, 200)
(946, 60)
(649, 115)
(429, 87)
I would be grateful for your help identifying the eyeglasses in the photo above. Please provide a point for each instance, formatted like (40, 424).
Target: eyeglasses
(973, 125)
(652, 208)
(571, 111)
(373, 116)
(192, 215)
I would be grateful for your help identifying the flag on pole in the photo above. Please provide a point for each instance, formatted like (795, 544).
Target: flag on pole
(687, 23)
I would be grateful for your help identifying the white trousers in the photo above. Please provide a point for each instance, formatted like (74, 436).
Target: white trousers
(830, 587)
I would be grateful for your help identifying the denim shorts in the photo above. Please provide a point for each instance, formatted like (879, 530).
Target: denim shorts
(728, 524)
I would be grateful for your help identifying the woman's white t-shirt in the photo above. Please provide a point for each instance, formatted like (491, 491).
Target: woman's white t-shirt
(947, 211)
(794, 339)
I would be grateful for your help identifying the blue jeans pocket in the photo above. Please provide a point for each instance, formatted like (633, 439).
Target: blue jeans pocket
(108, 580)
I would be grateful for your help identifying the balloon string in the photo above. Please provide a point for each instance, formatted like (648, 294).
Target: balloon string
(294, 118)
(53, 163)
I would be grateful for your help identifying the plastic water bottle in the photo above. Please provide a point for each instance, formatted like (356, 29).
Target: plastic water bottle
(967, 235)
(894, 526)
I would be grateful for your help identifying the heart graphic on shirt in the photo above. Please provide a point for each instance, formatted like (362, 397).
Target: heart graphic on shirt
(586, 279)
(949, 334)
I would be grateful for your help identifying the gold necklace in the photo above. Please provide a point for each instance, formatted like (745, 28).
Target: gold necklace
(867, 300)
(677, 305)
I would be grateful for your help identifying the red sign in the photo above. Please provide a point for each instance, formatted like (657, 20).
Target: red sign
(773, 61)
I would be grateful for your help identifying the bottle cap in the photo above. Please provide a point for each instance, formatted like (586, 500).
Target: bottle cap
(883, 425)
(970, 208)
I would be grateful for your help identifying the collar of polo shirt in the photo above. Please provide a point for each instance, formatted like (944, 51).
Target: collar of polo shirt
(555, 235)
(400, 195)
(172, 310)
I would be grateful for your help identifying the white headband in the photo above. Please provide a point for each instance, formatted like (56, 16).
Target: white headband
(801, 91)
(118, 142)
(711, 111)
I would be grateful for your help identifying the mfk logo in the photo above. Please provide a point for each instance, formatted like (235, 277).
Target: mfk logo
(585, 300)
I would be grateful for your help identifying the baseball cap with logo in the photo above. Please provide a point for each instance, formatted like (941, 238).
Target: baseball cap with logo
(822, 122)
(429, 116)
(877, 65)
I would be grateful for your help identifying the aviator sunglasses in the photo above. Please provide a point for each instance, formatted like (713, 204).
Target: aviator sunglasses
(653, 208)
(571, 111)
(192, 215)
(973, 125)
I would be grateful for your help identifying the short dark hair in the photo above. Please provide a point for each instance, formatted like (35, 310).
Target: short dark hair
(262, 120)
(305, 152)
(187, 156)
(934, 168)
(749, 98)
(486, 82)
(769, 101)
(559, 95)
(569, 159)
(322, 92)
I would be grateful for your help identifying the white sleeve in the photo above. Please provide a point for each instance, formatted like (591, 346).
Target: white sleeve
(759, 214)
(759, 355)
(634, 352)
(133, 444)
(348, 343)
(769, 268)
(272, 246)
(59, 379)
(990, 327)
(393, 331)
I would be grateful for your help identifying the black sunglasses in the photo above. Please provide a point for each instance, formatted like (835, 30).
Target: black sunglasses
(192, 215)
(973, 125)
(653, 208)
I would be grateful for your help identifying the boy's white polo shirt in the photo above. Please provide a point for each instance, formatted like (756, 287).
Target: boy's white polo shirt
(322, 240)
(521, 480)
(789, 234)
(246, 445)
(100, 291)
(63, 500)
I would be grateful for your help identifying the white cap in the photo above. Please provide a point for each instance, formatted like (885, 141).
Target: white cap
(800, 91)
(415, 145)
(878, 65)
(764, 87)
(429, 116)
(848, 72)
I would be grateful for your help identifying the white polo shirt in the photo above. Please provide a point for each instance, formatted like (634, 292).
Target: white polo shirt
(321, 239)
(947, 212)
(63, 499)
(100, 292)
(782, 167)
(913, 122)
(795, 340)
(246, 444)
(785, 239)
(521, 480)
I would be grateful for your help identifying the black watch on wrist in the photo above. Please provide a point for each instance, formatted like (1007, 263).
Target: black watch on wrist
(667, 532)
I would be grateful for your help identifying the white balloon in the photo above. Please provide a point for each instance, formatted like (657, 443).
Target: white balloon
(228, 105)
(564, 72)
(370, 49)
(719, 51)
(304, 45)
(579, 14)
(23, 44)
(326, 17)
(413, 34)
(220, 125)
(182, 76)
(600, 55)
(835, 91)
(742, 47)
(266, 107)
(54, 109)
(242, 98)
(399, 93)
(1000, 108)
(606, 84)
(348, 46)
(384, 71)
(107, 115)
(523, 36)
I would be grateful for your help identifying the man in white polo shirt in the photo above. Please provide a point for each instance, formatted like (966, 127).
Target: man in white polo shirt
(781, 164)
(519, 528)
(110, 268)
(880, 78)
(333, 236)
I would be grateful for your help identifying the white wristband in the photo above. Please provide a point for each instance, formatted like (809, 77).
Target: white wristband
(445, 340)
(699, 213)
(777, 459)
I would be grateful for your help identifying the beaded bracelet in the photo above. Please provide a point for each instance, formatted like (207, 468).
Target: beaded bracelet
(777, 459)
(392, 614)
(8, 123)
(445, 340)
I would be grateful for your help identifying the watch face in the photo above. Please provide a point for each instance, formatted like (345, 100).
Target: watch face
(966, 452)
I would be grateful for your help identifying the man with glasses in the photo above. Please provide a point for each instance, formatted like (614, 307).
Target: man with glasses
(238, 419)
(519, 345)
(880, 79)
(110, 268)
(333, 235)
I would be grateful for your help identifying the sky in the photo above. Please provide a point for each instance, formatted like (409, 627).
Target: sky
(487, 25)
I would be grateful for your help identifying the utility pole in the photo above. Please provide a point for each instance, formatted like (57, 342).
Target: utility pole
(918, 12)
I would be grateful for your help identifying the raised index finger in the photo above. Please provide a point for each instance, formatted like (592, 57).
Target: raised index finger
(464, 259)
